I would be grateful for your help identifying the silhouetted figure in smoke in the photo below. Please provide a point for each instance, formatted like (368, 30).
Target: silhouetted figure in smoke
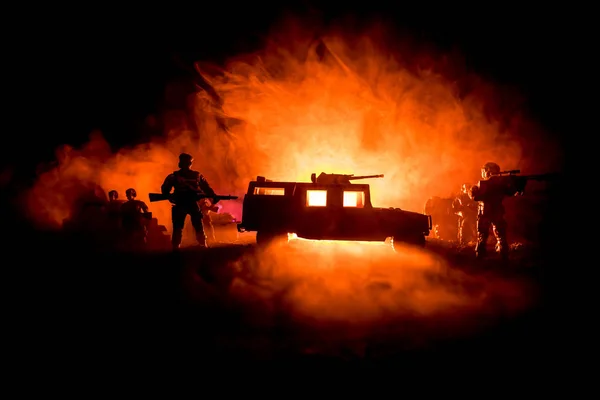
(466, 210)
(134, 215)
(114, 204)
(207, 207)
(490, 194)
(89, 214)
(113, 211)
(187, 184)
(444, 219)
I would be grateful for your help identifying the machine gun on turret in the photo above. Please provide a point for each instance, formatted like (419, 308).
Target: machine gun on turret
(338, 179)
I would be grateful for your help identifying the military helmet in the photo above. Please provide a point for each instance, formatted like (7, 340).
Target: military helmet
(131, 193)
(113, 195)
(489, 169)
(185, 159)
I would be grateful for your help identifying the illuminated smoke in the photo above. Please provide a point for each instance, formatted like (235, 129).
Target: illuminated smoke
(344, 104)
(367, 287)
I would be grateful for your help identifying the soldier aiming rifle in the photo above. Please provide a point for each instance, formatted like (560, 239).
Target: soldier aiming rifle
(490, 193)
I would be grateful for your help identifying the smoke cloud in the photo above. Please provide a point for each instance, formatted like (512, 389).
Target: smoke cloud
(343, 103)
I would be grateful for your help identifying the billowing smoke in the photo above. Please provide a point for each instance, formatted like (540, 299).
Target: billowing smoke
(341, 103)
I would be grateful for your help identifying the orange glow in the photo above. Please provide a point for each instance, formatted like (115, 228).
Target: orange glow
(351, 243)
(347, 103)
(269, 191)
(354, 199)
(366, 282)
(316, 198)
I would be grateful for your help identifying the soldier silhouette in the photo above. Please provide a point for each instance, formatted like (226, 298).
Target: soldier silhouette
(113, 195)
(490, 193)
(187, 184)
(114, 216)
(133, 220)
(207, 208)
(466, 210)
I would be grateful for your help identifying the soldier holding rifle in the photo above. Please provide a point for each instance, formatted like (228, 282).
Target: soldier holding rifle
(490, 193)
(187, 184)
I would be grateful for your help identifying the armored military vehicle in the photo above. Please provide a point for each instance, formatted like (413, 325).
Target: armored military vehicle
(330, 207)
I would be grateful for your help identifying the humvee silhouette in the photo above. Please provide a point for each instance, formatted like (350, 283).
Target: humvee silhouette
(330, 207)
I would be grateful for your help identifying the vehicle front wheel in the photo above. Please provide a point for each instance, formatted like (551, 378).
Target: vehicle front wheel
(264, 238)
(402, 240)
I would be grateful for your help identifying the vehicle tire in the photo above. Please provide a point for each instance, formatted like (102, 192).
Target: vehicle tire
(436, 231)
(264, 238)
(413, 240)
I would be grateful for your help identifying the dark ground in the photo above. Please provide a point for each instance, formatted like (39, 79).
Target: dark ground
(217, 308)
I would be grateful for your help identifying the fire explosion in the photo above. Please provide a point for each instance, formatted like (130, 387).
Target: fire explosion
(342, 103)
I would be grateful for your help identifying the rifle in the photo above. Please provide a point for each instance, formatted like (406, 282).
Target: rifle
(509, 172)
(540, 177)
(518, 182)
(154, 197)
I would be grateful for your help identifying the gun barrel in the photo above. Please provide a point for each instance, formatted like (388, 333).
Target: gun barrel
(509, 172)
(365, 177)
(161, 197)
(542, 177)
(157, 197)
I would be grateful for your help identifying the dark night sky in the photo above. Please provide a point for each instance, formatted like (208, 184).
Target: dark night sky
(107, 69)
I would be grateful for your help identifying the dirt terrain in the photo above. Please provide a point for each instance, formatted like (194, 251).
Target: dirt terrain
(312, 304)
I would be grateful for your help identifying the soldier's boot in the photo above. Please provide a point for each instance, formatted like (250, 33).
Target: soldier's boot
(209, 230)
(141, 240)
(480, 246)
(176, 239)
(211, 238)
(480, 251)
(502, 249)
(201, 239)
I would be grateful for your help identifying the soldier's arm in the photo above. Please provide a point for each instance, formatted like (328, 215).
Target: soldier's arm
(168, 184)
(144, 206)
(456, 204)
(205, 187)
(474, 192)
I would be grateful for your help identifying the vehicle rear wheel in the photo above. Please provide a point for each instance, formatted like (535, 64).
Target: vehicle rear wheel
(413, 240)
(264, 238)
